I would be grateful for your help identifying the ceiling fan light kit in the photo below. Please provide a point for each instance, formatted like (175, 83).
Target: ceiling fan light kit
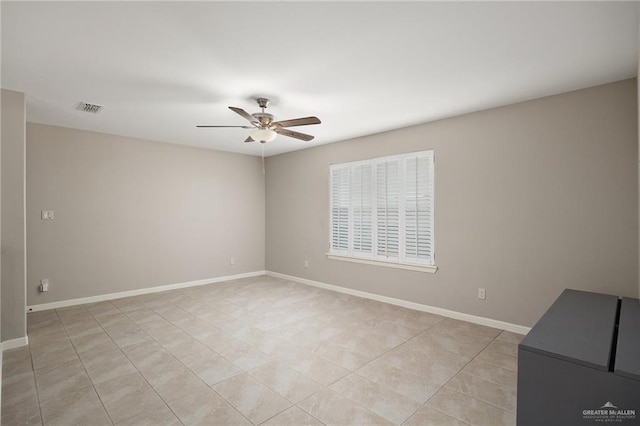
(262, 135)
(265, 128)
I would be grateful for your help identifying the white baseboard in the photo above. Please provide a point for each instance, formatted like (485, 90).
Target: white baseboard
(391, 300)
(406, 304)
(15, 343)
(120, 295)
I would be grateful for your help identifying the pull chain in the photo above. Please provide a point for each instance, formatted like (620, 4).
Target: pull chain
(262, 157)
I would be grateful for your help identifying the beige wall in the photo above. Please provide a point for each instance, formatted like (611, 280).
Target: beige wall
(12, 217)
(531, 198)
(130, 213)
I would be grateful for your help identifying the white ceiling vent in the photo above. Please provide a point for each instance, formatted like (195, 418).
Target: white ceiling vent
(93, 108)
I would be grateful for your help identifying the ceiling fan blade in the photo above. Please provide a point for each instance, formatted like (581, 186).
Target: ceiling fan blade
(305, 121)
(244, 114)
(242, 127)
(292, 134)
(249, 139)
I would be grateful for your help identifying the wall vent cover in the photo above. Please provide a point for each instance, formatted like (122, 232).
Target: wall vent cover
(92, 108)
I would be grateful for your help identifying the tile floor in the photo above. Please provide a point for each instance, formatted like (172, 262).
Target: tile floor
(259, 351)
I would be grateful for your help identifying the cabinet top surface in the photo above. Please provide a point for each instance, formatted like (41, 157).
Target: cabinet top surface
(579, 327)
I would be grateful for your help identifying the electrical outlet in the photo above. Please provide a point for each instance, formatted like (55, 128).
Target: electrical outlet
(46, 215)
(44, 285)
(232, 261)
(306, 263)
(482, 293)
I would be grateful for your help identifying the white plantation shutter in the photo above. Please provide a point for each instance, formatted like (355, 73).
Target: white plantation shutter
(340, 208)
(388, 208)
(362, 208)
(418, 208)
(382, 209)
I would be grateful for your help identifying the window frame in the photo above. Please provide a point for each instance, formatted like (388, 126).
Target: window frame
(401, 261)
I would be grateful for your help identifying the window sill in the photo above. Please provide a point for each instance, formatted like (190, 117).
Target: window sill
(409, 267)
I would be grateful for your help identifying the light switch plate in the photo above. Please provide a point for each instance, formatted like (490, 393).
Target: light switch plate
(47, 215)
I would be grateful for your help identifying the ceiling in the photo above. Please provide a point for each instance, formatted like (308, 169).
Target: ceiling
(160, 68)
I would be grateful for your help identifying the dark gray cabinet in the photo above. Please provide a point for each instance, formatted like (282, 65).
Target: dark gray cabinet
(580, 364)
(628, 350)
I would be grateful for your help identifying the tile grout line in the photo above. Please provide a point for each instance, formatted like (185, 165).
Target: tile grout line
(323, 386)
(120, 311)
(248, 372)
(486, 402)
(35, 383)
(81, 363)
(370, 361)
(449, 415)
(244, 303)
(460, 393)
(125, 355)
(245, 371)
(232, 406)
(489, 381)
(175, 358)
(104, 407)
(155, 341)
(454, 376)
(380, 356)
(293, 404)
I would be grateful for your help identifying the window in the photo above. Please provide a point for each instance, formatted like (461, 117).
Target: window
(382, 209)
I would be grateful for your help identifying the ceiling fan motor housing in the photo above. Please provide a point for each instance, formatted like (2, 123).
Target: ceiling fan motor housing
(264, 118)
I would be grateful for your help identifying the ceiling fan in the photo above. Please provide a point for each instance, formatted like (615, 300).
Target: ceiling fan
(265, 128)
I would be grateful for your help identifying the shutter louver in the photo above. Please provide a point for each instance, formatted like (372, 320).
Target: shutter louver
(388, 208)
(340, 209)
(361, 187)
(418, 209)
